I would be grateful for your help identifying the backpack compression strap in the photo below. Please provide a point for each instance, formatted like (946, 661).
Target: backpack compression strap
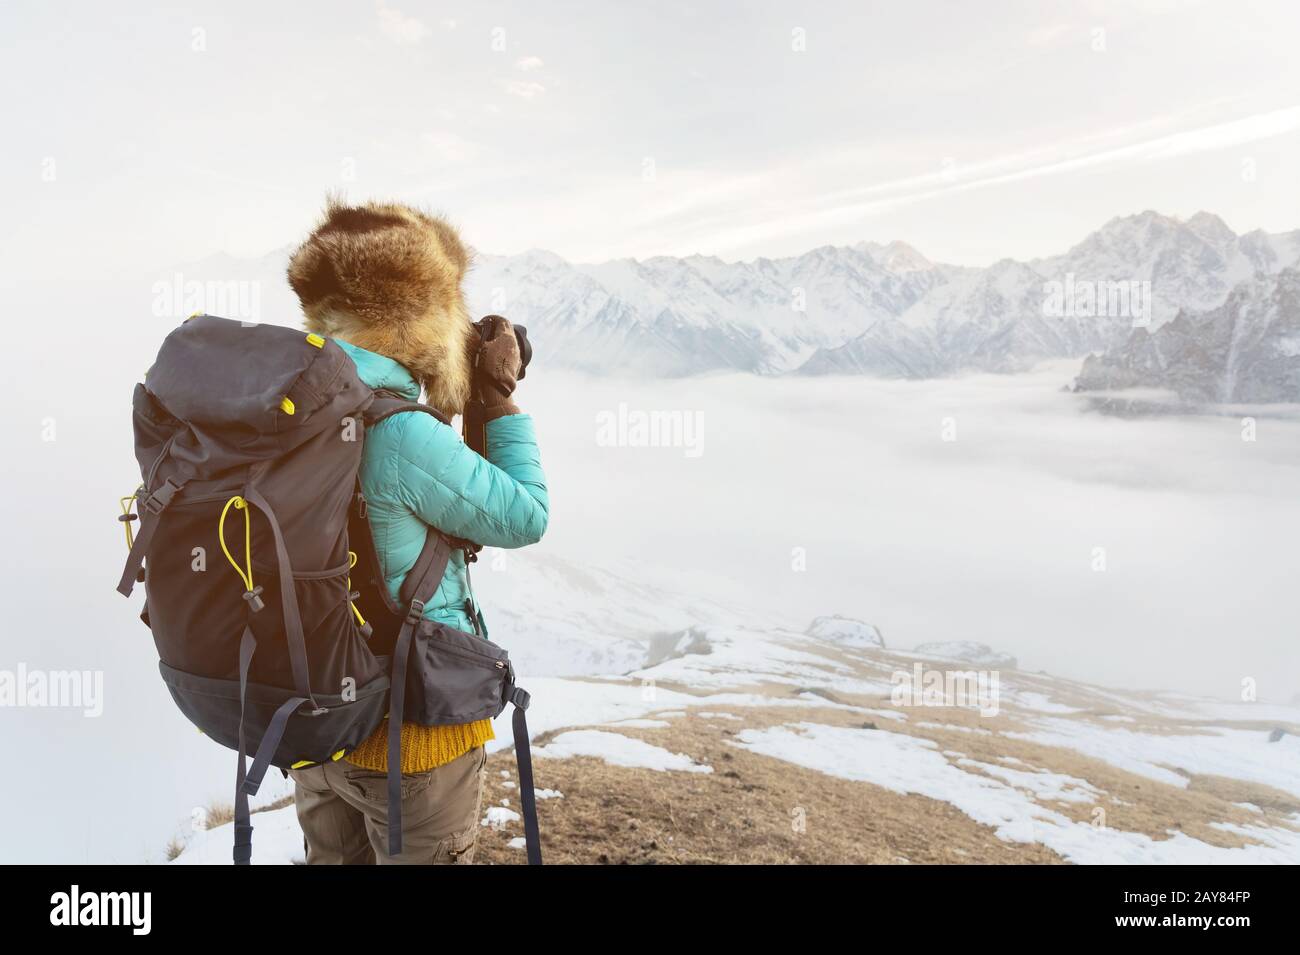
(293, 628)
(249, 780)
(149, 509)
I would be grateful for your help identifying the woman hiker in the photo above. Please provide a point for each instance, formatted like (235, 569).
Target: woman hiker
(384, 281)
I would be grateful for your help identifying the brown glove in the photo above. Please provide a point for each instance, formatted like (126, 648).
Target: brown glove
(497, 370)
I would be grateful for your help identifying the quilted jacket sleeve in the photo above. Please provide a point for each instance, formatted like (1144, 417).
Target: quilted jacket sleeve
(498, 502)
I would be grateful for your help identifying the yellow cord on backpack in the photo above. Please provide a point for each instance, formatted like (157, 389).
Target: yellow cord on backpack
(352, 562)
(126, 519)
(240, 505)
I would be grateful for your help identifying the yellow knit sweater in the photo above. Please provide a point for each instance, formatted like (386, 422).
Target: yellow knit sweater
(423, 747)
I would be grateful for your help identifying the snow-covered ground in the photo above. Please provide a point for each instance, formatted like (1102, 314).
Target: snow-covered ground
(730, 672)
(1013, 802)
(618, 750)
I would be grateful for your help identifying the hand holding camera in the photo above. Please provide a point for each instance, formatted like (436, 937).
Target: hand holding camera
(501, 362)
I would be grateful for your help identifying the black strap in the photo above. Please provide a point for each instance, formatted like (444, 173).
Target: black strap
(524, 759)
(396, 703)
(425, 576)
(474, 427)
(421, 583)
(288, 599)
(243, 851)
(388, 403)
(247, 782)
(270, 742)
(135, 559)
(471, 604)
(149, 509)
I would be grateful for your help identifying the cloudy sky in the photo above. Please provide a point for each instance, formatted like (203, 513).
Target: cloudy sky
(138, 139)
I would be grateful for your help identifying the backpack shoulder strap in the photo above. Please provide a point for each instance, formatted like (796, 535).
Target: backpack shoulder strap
(387, 404)
(425, 576)
(420, 585)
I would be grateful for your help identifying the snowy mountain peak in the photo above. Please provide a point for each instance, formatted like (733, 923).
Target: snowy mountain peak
(1139, 221)
(1211, 228)
(901, 257)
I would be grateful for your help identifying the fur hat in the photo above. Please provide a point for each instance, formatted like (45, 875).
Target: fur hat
(387, 278)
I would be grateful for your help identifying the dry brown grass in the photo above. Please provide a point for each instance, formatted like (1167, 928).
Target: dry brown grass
(223, 813)
(743, 811)
(174, 849)
(219, 814)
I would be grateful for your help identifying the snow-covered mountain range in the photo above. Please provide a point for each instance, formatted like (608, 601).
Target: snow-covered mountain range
(871, 309)
(1246, 350)
(875, 309)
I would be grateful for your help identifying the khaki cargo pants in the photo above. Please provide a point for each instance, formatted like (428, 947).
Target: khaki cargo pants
(343, 810)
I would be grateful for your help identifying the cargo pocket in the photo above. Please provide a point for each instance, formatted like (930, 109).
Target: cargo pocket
(459, 849)
(311, 779)
(372, 786)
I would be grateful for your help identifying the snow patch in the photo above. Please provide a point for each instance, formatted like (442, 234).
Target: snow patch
(910, 765)
(1217, 751)
(498, 817)
(277, 840)
(1040, 702)
(618, 750)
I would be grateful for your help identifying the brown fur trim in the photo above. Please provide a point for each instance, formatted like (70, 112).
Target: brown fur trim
(387, 278)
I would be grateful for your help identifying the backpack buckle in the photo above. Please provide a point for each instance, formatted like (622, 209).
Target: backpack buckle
(415, 612)
(153, 504)
(520, 697)
(362, 508)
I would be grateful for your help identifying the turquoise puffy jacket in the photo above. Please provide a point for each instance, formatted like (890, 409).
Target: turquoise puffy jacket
(417, 472)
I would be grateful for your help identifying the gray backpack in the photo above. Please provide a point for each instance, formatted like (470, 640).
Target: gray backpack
(249, 439)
